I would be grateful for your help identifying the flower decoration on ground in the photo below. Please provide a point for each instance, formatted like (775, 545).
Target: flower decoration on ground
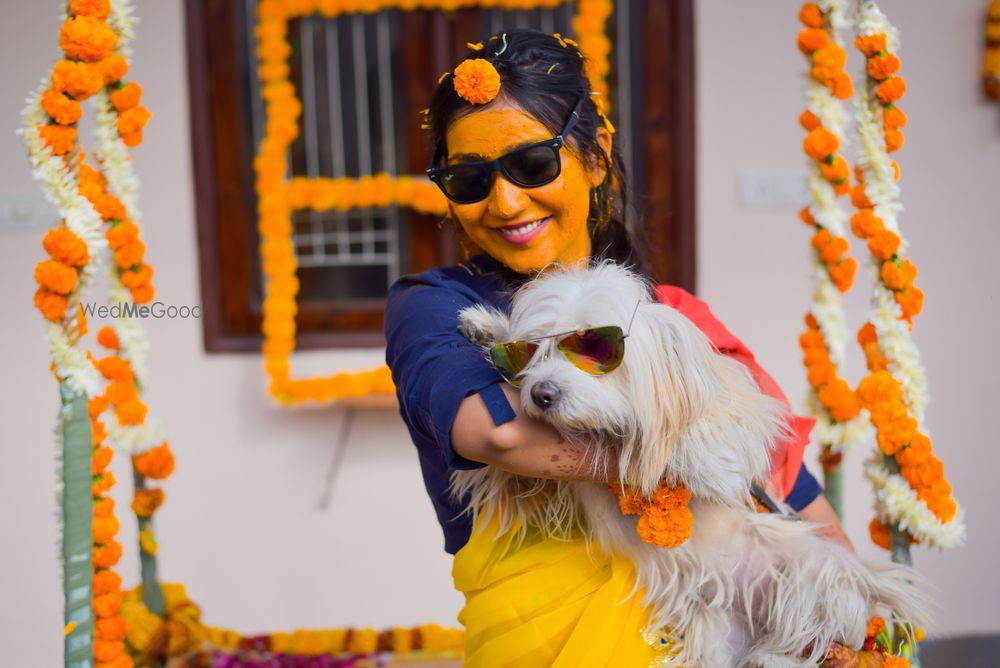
(278, 196)
(664, 519)
(913, 498)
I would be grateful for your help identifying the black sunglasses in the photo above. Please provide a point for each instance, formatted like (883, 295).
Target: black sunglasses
(530, 166)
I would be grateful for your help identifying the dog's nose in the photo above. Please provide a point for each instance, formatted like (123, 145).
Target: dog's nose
(545, 394)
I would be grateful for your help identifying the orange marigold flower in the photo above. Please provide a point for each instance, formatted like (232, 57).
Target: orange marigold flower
(841, 86)
(126, 97)
(113, 367)
(55, 276)
(106, 556)
(107, 605)
(898, 276)
(859, 198)
(102, 483)
(133, 278)
(837, 172)
(911, 302)
(51, 305)
(63, 110)
(132, 120)
(98, 432)
(866, 224)
(893, 140)
(59, 138)
(821, 239)
(104, 507)
(78, 80)
(97, 8)
(101, 457)
(146, 501)
(880, 536)
(833, 250)
(884, 244)
(821, 373)
(806, 217)
(96, 406)
(665, 526)
(891, 90)
(811, 16)
(157, 463)
(122, 234)
(629, 501)
(812, 39)
(63, 245)
(112, 628)
(476, 81)
(841, 401)
(842, 273)
(105, 528)
(808, 120)
(110, 207)
(107, 338)
(87, 38)
(870, 44)
(130, 254)
(890, 661)
(105, 582)
(883, 67)
(879, 387)
(120, 391)
(811, 339)
(107, 650)
(112, 69)
(820, 143)
(143, 294)
(893, 117)
(132, 411)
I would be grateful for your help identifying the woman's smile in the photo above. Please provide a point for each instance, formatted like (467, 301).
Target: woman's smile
(523, 233)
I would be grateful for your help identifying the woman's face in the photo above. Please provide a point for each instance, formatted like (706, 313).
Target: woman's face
(524, 228)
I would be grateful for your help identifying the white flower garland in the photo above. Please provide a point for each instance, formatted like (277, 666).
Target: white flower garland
(825, 208)
(895, 501)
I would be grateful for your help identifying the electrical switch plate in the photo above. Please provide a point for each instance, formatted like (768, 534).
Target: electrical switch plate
(779, 189)
(26, 211)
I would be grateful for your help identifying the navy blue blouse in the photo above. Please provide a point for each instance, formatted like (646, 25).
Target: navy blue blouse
(434, 368)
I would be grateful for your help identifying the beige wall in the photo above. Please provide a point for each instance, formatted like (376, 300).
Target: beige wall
(242, 527)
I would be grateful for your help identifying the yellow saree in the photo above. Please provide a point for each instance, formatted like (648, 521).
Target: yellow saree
(544, 602)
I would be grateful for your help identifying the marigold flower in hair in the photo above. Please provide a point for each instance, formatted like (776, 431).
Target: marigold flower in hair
(477, 81)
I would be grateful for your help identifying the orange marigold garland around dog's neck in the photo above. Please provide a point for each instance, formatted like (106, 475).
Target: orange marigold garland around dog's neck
(664, 519)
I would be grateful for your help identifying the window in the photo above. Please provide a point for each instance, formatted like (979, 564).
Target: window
(362, 79)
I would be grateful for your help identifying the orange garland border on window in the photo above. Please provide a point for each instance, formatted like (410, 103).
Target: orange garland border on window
(278, 196)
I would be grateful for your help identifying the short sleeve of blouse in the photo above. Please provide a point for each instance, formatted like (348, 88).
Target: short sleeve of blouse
(434, 367)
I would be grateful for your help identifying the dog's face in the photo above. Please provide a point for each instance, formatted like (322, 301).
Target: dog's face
(675, 407)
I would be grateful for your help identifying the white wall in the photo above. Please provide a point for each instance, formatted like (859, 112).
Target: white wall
(241, 526)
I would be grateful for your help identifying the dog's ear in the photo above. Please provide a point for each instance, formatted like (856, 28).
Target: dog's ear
(702, 419)
(483, 325)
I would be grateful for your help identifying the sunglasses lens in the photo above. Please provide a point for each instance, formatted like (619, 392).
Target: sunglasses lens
(534, 166)
(595, 351)
(511, 358)
(466, 183)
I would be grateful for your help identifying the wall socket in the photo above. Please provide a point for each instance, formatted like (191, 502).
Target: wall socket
(776, 189)
(26, 211)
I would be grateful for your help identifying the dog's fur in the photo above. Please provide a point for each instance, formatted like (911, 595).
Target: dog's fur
(747, 589)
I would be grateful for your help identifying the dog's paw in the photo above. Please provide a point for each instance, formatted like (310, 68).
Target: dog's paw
(482, 325)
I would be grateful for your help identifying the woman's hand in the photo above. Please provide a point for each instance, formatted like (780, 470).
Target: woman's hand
(524, 445)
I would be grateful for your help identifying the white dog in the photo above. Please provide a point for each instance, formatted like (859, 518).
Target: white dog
(748, 588)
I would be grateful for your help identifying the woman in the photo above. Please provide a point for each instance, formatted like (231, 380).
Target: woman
(528, 164)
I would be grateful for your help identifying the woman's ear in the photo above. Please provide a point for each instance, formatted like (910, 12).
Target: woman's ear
(598, 168)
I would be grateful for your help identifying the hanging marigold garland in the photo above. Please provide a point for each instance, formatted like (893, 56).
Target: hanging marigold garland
(278, 196)
(912, 494)
(991, 57)
(831, 399)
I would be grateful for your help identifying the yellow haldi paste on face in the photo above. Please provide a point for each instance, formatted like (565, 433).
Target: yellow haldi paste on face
(504, 224)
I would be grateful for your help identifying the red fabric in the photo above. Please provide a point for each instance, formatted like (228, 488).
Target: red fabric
(786, 460)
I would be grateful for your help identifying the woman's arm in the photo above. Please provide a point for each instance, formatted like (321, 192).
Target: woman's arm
(821, 512)
(524, 445)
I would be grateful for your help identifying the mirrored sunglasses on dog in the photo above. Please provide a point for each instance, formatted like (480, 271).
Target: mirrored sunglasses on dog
(595, 350)
(530, 166)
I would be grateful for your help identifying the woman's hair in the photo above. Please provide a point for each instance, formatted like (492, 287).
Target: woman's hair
(544, 76)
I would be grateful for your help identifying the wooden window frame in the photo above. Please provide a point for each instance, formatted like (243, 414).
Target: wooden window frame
(223, 176)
